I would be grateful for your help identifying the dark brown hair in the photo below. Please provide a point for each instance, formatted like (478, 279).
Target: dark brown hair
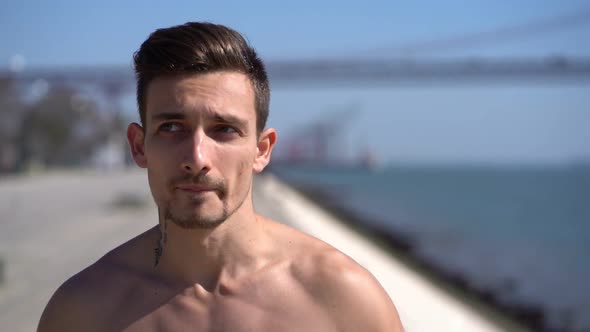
(197, 47)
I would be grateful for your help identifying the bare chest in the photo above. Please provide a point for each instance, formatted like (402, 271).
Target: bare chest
(238, 317)
(259, 308)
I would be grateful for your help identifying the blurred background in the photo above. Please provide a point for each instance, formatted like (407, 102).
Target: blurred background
(457, 133)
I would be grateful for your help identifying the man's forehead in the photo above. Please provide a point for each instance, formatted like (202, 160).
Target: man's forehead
(227, 82)
(213, 95)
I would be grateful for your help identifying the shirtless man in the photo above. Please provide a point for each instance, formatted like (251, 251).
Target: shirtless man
(212, 263)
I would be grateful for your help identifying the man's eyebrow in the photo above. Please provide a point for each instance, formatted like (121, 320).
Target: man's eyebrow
(169, 116)
(217, 117)
(228, 118)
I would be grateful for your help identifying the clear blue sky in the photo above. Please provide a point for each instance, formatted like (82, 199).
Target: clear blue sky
(108, 32)
(497, 124)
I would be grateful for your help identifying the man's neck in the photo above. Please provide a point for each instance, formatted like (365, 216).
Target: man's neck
(210, 256)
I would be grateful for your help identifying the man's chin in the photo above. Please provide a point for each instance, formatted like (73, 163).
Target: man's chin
(197, 223)
(196, 220)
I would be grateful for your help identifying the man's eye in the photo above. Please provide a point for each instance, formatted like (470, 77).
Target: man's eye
(226, 129)
(171, 127)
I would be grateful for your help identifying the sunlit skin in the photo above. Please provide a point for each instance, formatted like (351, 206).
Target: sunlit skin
(223, 267)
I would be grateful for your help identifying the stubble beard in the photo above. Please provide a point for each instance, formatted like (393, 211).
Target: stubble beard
(203, 220)
(196, 221)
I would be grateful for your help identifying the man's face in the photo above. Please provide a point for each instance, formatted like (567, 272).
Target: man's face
(199, 146)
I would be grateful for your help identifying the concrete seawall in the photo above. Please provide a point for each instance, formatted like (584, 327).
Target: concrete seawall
(422, 305)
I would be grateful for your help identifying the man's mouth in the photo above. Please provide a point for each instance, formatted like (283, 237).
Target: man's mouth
(194, 189)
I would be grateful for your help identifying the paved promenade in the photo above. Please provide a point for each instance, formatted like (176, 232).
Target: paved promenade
(53, 225)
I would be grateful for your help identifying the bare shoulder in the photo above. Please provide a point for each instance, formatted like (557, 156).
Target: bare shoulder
(86, 298)
(69, 305)
(345, 290)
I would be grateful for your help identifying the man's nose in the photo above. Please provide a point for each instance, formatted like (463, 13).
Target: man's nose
(198, 154)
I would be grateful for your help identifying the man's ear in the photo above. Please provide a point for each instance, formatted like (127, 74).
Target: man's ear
(136, 139)
(266, 142)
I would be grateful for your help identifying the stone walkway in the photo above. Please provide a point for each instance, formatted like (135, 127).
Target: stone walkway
(54, 225)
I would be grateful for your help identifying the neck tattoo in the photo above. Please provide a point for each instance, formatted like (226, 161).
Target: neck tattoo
(159, 250)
